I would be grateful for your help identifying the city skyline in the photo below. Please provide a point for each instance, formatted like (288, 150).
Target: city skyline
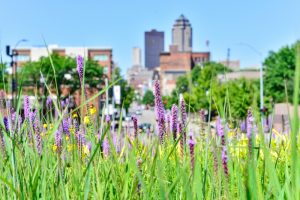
(263, 25)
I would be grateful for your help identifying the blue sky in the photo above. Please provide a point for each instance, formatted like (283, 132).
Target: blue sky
(120, 24)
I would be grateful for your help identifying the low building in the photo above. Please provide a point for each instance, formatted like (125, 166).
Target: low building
(234, 65)
(176, 63)
(140, 79)
(102, 55)
(247, 73)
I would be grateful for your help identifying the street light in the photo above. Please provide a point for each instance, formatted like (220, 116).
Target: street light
(13, 54)
(261, 80)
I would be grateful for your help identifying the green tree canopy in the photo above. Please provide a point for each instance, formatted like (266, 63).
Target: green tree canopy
(279, 71)
(64, 73)
(148, 98)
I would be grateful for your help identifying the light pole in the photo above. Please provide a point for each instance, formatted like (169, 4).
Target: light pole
(261, 85)
(14, 64)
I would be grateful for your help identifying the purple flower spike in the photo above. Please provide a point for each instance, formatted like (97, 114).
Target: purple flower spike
(174, 120)
(105, 147)
(224, 161)
(38, 140)
(80, 67)
(135, 126)
(66, 126)
(58, 140)
(192, 148)
(249, 132)
(180, 132)
(107, 118)
(26, 107)
(183, 117)
(220, 131)
(49, 102)
(6, 124)
(159, 111)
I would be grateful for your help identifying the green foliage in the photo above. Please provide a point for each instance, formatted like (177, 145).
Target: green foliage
(279, 71)
(148, 98)
(63, 66)
(127, 92)
(3, 75)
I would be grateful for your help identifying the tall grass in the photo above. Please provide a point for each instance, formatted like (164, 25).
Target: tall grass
(108, 164)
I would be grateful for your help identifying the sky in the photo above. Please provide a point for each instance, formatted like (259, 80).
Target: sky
(250, 28)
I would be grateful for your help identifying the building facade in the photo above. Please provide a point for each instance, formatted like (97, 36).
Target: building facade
(182, 34)
(136, 56)
(176, 63)
(101, 55)
(154, 45)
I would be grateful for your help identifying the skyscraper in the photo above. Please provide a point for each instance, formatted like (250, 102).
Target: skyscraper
(182, 34)
(154, 45)
(136, 56)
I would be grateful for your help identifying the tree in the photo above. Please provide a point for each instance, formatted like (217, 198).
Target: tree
(148, 98)
(279, 73)
(127, 92)
(65, 73)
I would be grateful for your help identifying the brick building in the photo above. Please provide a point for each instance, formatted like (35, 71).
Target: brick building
(102, 55)
(176, 63)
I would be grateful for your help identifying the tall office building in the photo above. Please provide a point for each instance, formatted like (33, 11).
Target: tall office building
(136, 56)
(182, 34)
(154, 45)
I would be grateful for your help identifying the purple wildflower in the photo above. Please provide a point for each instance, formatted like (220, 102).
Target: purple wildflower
(66, 126)
(180, 132)
(224, 161)
(249, 132)
(2, 143)
(58, 140)
(192, 148)
(174, 120)
(49, 102)
(38, 140)
(183, 117)
(26, 107)
(220, 131)
(159, 111)
(80, 67)
(105, 147)
(6, 124)
(135, 126)
(107, 118)
(168, 121)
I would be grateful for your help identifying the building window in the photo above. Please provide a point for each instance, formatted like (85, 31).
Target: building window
(102, 57)
(23, 58)
(105, 70)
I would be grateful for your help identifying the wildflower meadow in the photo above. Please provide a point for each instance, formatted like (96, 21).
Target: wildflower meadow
(52, 151)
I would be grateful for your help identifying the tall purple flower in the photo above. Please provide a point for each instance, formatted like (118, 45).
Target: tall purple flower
(249, 132)
(66, 126)
(224, 161)
(6, 124)
(180, 132)
(2, 143)
(192, 148)
(159, 111)
(174, 120)
(183, 117)
(80, 67)
(26, 107)
(49, 102)
(168, 121)
(135, 126)
(58, 140)
(220, 131)
(105, 147)
(38, 140)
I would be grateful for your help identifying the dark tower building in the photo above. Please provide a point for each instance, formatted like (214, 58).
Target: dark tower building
(154, 45)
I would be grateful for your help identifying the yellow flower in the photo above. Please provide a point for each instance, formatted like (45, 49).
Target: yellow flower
(54, 147)
(86, 120)
(93, 110)
(75, 115)
(86, 150)
(67, 138)
(72, 130)
(45, 126)
(70, 147)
